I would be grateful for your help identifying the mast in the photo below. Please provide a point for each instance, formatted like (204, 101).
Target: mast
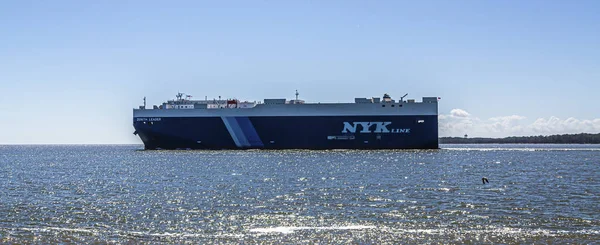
(402, 98)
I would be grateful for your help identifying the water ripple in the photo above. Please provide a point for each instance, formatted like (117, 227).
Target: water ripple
(119, 194)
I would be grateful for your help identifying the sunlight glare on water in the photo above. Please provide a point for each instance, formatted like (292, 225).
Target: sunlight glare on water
(117, 193)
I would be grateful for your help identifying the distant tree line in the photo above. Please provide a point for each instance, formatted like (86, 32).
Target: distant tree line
(550, 139)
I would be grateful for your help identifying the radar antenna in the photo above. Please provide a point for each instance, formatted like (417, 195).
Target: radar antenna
(179, 95)
(297, 94)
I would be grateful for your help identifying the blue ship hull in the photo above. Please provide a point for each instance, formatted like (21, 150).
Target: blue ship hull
(289, 132)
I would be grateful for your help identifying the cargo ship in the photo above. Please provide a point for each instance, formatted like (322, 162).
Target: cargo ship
(367, 123)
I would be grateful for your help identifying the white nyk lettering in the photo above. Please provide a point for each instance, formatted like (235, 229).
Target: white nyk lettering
(382, 127)
(367, 127)
(349, 128)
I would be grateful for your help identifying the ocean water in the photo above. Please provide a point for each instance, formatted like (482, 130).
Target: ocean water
(122, 194)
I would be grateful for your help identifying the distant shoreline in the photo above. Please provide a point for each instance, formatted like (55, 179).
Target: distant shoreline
(582, 138)
(503, 143)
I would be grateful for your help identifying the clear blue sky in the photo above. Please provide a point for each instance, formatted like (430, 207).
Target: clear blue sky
(71, 71)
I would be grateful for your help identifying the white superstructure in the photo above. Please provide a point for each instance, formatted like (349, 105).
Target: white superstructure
(185, 107)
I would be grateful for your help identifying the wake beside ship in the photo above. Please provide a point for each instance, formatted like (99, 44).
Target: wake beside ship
(368, 123)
